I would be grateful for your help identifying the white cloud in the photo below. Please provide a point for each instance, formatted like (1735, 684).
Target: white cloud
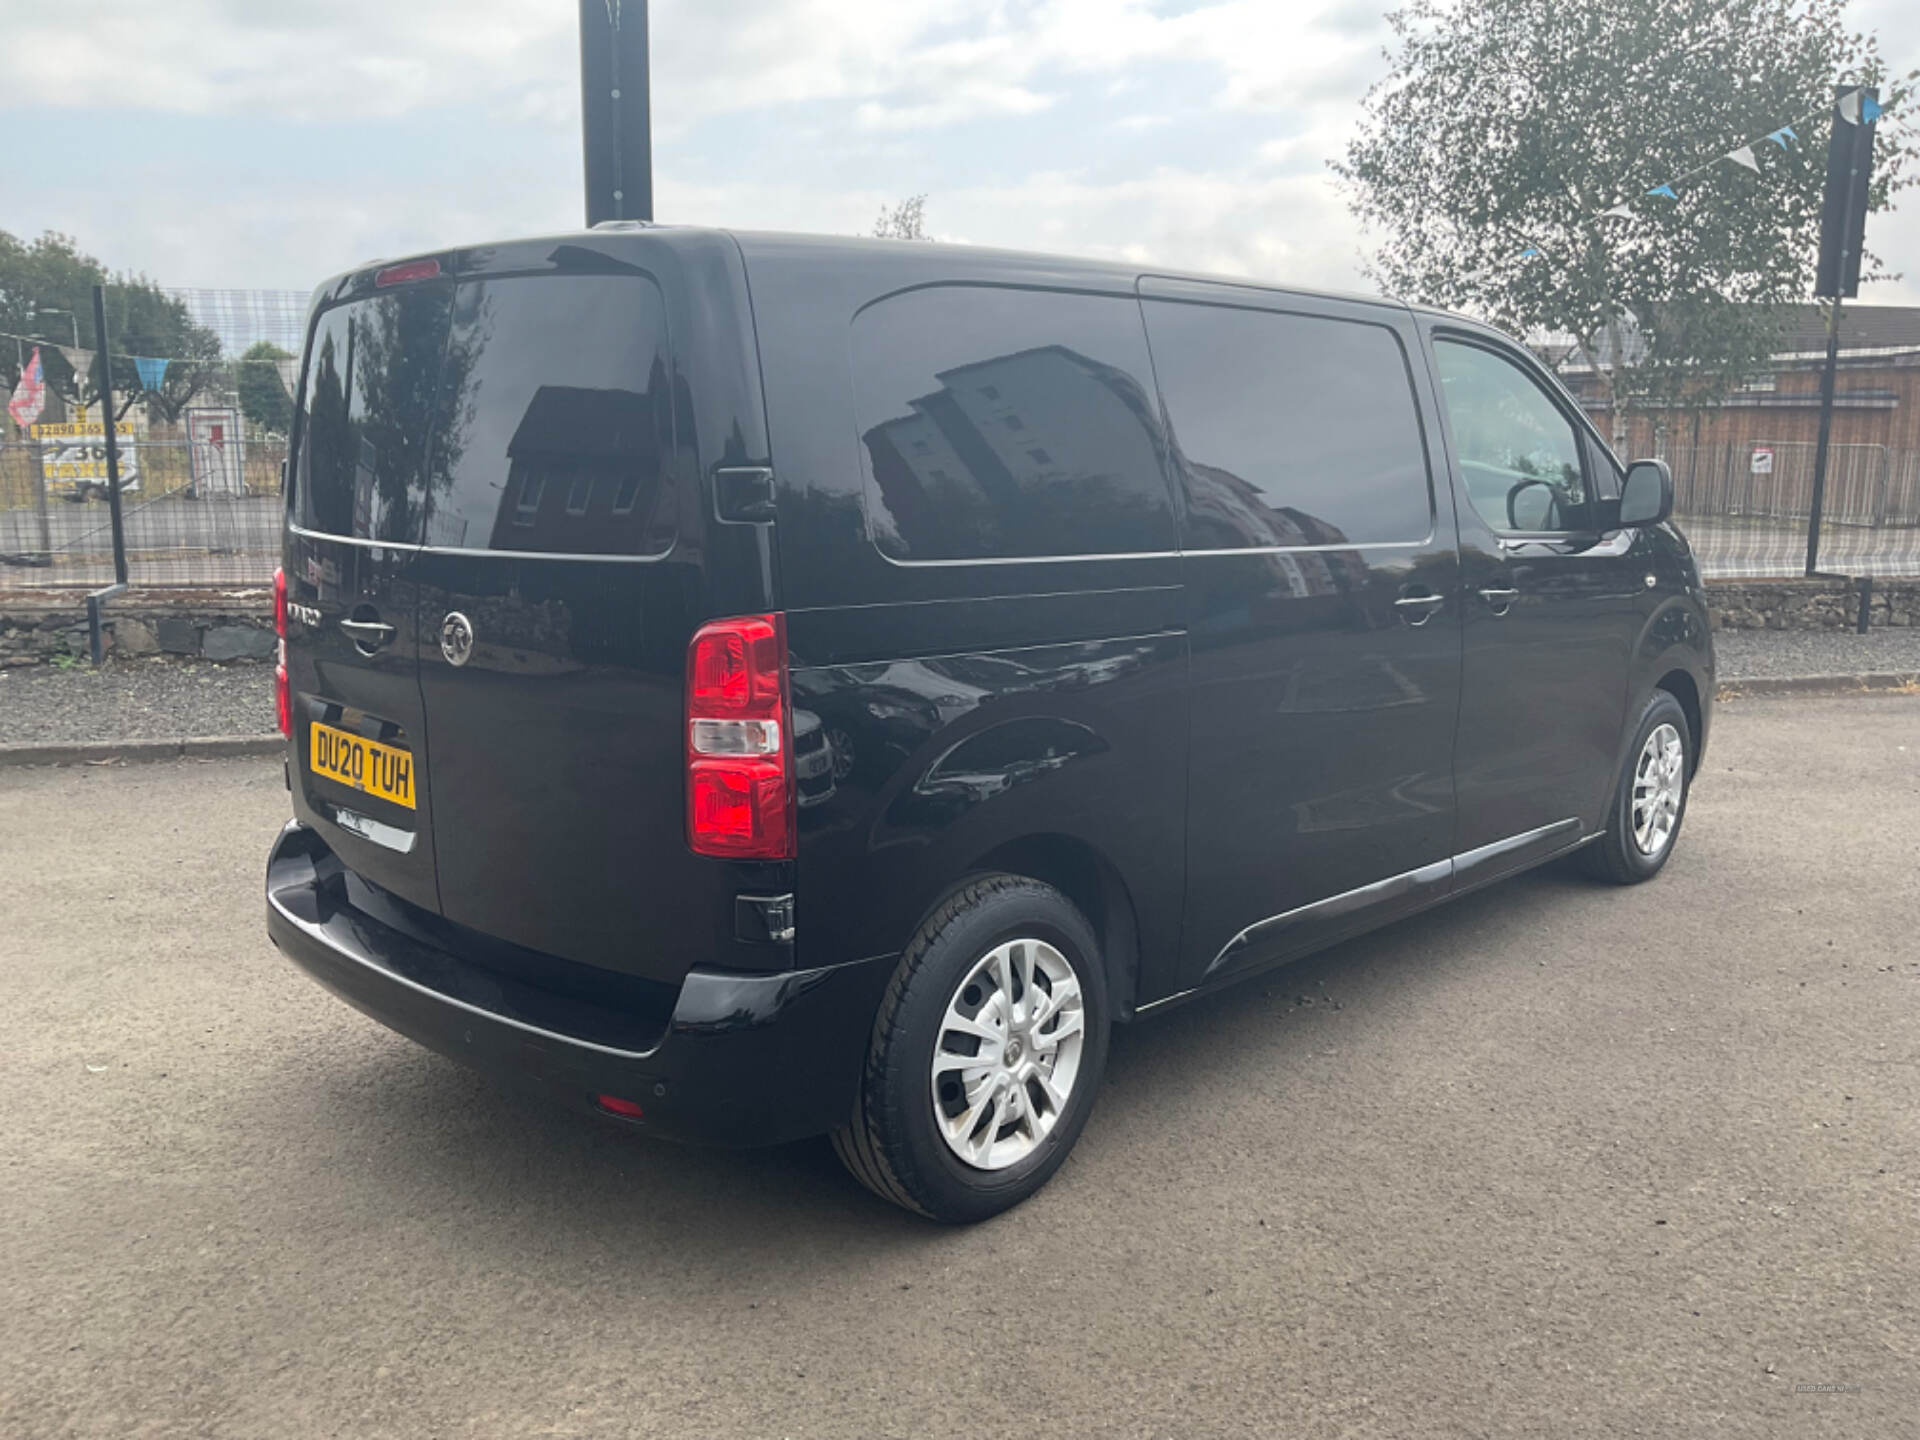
(1233, 106)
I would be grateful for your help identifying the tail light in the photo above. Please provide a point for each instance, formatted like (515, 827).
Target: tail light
(740, 796)
(282, 696)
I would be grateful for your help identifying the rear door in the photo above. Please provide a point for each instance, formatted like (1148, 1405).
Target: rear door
(356, 513)
(559, 586)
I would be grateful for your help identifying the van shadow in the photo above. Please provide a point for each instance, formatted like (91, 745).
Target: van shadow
(403, 1131)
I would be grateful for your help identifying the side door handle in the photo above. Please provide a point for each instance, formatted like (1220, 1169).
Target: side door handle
(1499, 600)
(1418, 609)
(368, 635)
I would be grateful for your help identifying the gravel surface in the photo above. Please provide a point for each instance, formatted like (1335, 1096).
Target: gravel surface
(134, 700)
(1779, 654)
(1556, 1160)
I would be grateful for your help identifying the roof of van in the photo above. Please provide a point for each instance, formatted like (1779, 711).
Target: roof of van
(987, 259)
(950, 259)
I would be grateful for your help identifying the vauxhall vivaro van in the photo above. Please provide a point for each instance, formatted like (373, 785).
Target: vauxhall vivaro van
(757, 686)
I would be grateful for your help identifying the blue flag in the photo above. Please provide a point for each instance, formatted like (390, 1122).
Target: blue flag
(1870, 109)
(1782, 135)
(152, 372)
(1666, 190)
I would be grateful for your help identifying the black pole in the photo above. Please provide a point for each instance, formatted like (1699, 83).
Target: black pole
(103, 371)
(1826, 434)
(616, 122)
(1842, 239)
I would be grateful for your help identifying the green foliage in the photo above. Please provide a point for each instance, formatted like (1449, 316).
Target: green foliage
(263, 398)
(1505, 124)
(53, 274)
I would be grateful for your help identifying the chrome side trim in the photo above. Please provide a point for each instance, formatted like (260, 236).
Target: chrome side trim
(1153, 1005)
(1484, 854)
(1364, 897)
(1347, 902)
(406, 548)
(354, 540)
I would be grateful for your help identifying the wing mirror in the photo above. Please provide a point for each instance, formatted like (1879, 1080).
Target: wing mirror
(1646, 496)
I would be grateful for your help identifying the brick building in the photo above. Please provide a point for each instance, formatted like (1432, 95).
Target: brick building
(1876, 393)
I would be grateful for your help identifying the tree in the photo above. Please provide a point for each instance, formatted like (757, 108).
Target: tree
(263, 398)
(905, 221)
(51, 275)
(1509, 126)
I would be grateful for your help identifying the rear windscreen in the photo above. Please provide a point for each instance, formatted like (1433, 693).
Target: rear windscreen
(531, 414)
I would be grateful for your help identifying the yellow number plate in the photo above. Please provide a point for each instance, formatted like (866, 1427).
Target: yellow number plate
(366, 765)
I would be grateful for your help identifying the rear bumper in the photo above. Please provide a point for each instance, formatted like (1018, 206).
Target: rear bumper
(743, 1059)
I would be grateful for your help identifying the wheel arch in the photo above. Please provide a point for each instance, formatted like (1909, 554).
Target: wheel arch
(1097, 889)
(1679, 683)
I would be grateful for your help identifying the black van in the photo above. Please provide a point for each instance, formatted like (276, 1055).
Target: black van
(759, 685)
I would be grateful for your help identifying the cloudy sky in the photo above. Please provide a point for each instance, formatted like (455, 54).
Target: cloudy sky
(256, 144)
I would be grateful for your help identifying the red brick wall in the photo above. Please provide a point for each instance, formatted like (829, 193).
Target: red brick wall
(1876, 402)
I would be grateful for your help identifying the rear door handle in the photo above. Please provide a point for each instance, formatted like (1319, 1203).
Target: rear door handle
(1421, 606)
(1499, 600)
(368, 635)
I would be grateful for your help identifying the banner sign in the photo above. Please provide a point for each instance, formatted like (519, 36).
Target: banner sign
(73, 456)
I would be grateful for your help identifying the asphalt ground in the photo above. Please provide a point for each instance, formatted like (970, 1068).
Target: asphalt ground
(1555, 1160)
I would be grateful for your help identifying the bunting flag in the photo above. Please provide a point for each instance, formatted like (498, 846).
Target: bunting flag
(1856, 107)
(289, 373)
(80, 362)
(30, 395)
(152, 372)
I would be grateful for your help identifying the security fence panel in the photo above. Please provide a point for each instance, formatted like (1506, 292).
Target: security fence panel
(1746, 508)
(206, 519)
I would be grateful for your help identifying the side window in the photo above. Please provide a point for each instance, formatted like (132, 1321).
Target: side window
(1004, 424)
(1294, 430)
(371, 374)
(1520, 456)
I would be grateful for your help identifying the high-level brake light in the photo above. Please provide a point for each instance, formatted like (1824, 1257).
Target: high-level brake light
(401, 274)
(740, 795)
(282, 694)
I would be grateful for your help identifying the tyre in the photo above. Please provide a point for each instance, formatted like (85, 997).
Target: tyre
(986, 1054)
(1649, 797)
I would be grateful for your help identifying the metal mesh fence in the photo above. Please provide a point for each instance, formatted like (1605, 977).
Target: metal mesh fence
(242, 317)
(207, 512)
(1746, 509)
(195, 513)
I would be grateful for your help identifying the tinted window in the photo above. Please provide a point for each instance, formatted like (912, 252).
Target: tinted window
(557, 418)
(371, 375)
(1519, 455)
(1295, 430)
(1007, 423)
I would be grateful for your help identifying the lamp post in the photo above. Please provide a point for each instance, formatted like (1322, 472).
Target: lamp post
(615, 110)
(72, 320)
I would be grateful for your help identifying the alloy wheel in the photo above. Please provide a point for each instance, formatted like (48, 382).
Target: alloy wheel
(1659, 782)
(1008, 1054)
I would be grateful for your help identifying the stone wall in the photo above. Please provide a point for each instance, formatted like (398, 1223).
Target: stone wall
(1811, 604)
(229, 626)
